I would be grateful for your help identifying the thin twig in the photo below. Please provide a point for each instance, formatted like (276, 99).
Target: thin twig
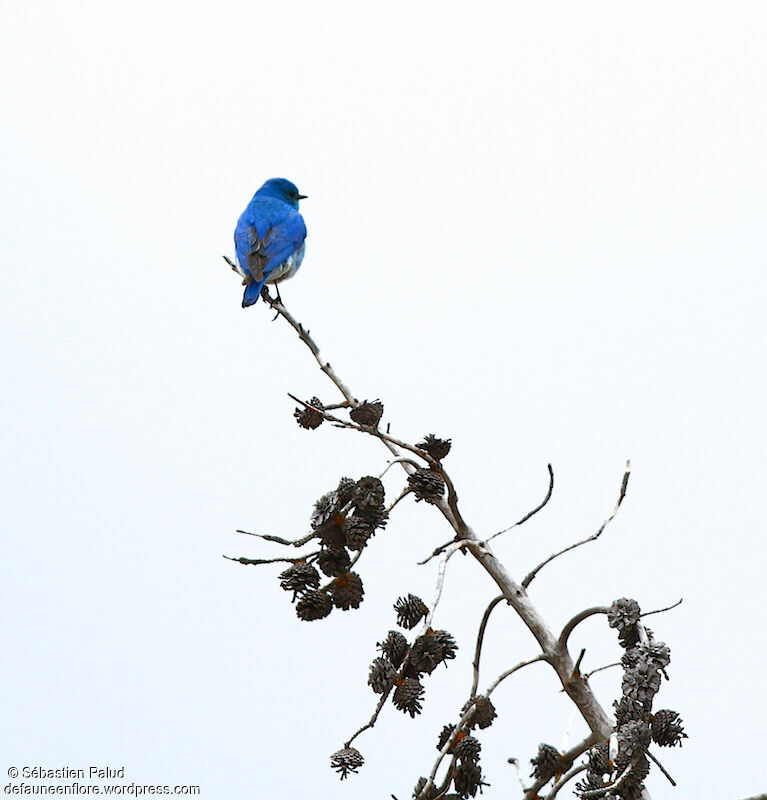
(287, 542)
(402, 495)
(303, 334)
(624, 485)
(445, 785)
(448, 744)
(576, 620)
(480, 636)
(393, 445)
(390, 442)
(333, 406)
(400, 460)
(661, 610)
(515, 763)
(577, 667)
(384, 437)
(372, 720)
(310, 343)
(534, 511)
(661, 768)
(564, 779)
(438, 551)
(356, 558)
(502, 677)
(243, 560)
(599, 669)
(605, 789)
(427, 622)
(440, 582)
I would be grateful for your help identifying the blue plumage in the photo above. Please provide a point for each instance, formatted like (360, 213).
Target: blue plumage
(269, 237)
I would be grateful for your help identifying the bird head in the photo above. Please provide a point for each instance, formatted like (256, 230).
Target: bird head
(281, 189)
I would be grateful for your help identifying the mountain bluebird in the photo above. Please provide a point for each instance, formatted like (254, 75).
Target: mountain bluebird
(269, 238)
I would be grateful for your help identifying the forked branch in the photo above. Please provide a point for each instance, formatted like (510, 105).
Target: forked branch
(624, 486)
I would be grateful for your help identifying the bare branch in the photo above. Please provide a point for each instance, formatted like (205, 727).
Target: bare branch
(400, 460)
(576, 620)
(577, 667)
(534, 511)
(661, 610)
(287, 542)
(480, 636)
(256, 561)
(310, 343)
(448, 744)
(436, 552)
(599, 669)
(384, 437)
(393, 445)
(444, 786)
(502, 677)
(515, 763)
(372, 721)
(333, 406)
(427, 623)
(403, 494)
(564, 779)
(624, 486)
(456, 520)
(661, 768)
(605, 789)
(440, 582)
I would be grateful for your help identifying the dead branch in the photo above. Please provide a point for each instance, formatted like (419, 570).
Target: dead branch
(535, 510)
(576, 620)
(279, 540)
(661, 768)
(256, 561)
(667, 608)
(480, 638)
(624, 485)
(564, 779)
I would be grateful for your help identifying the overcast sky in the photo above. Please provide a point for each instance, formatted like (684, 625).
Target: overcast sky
(535, 228)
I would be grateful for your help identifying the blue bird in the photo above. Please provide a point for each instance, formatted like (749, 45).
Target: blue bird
(269, 238)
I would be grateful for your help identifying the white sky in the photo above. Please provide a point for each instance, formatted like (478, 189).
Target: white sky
(535, 228)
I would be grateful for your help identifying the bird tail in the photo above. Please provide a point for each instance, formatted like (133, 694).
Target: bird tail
(252, 293)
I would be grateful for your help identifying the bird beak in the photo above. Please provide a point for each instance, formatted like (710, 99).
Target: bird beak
(302, 196)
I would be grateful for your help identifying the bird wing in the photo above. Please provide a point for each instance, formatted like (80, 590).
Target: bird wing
(265, 236)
